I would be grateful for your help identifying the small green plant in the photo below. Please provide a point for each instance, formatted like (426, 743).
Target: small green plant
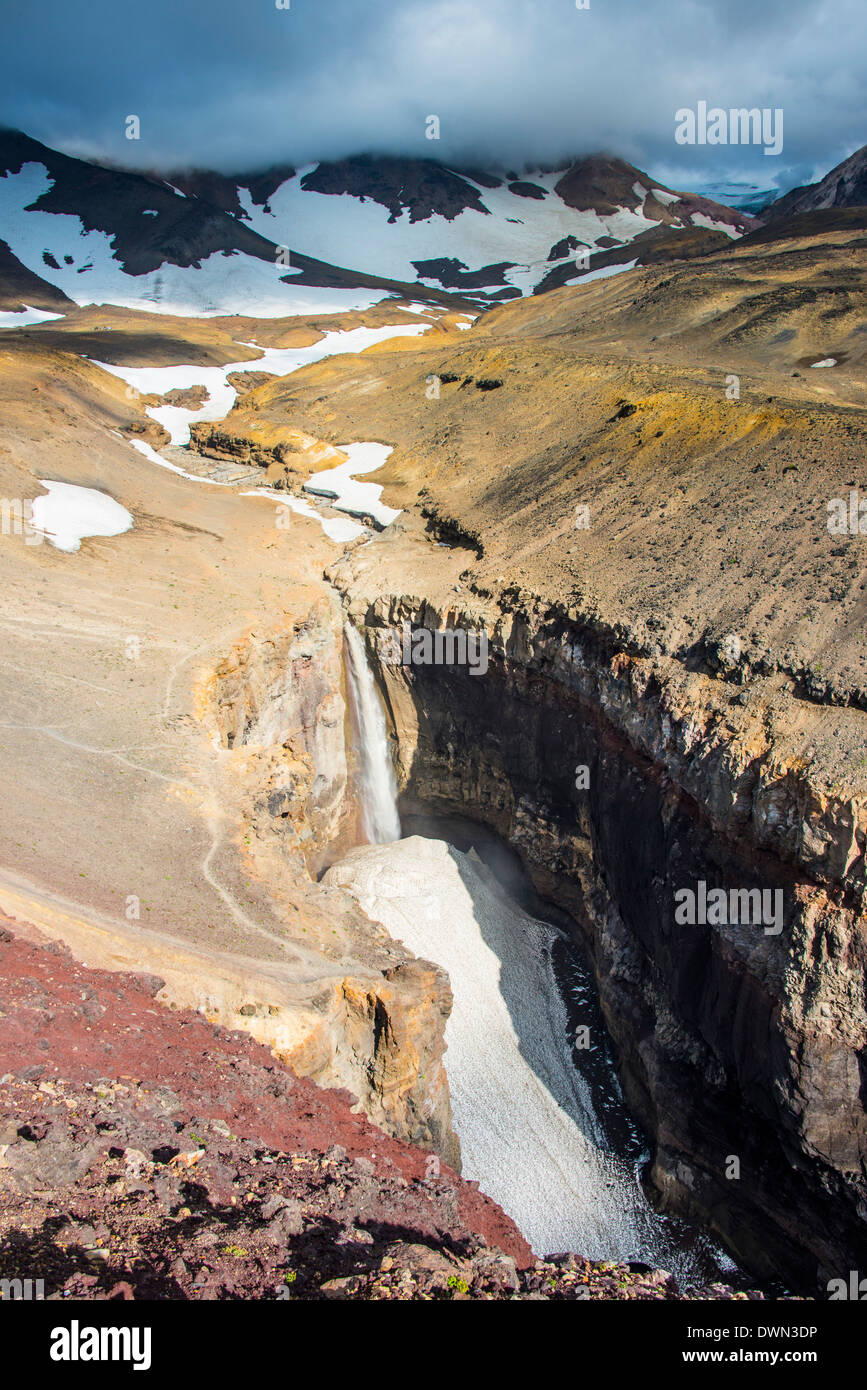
(457, 1284)
(237, 1250)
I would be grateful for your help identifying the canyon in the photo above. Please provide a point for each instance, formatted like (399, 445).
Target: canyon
(734, 762)
(189, 698)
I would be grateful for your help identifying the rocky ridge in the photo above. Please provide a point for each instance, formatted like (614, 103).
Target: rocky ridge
(844, 187)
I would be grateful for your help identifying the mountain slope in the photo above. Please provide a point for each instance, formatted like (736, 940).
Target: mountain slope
(20, 286)
(334, 236)
(844, 187)
(494, 235)
(110, 236)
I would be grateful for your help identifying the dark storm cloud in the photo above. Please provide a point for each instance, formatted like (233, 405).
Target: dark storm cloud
(237, 84)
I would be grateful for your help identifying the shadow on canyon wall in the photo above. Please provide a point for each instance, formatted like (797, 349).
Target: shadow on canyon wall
(704, 1020)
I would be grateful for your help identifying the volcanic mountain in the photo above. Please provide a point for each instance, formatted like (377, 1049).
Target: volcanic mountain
(282, 241)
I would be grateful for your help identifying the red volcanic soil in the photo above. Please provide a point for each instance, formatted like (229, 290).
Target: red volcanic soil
(92, 1070)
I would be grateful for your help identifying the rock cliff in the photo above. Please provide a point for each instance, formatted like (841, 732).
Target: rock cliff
(734, 1043)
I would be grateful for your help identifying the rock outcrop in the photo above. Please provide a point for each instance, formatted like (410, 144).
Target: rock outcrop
(289, 455)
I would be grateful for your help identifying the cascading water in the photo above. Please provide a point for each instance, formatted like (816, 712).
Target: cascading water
(378, 789)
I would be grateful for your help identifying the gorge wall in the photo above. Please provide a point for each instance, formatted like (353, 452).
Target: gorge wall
(356, 1010)
(733, 1043)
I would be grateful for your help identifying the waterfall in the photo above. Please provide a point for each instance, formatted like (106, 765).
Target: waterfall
(376, 780)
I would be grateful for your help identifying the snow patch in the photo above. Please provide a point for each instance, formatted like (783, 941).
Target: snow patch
(70, 513)
(666, 198)
(359, 499)
(699, 219)
(417, 308)
(22, 318)
(337, 529)
(604, 273)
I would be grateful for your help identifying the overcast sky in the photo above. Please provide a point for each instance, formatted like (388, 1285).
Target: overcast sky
(240, 84)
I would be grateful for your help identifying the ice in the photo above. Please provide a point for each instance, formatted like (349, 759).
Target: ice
(530, 1134)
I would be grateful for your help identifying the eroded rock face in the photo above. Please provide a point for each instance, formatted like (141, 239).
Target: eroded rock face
(363, 1013)
(382, 1037)
(735, 1043)
(282, 450)
(278, 694)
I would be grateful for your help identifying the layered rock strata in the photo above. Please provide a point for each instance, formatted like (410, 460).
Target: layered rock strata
(741, 1048)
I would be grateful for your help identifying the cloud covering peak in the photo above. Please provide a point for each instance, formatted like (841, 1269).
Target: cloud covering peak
(240, 84)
